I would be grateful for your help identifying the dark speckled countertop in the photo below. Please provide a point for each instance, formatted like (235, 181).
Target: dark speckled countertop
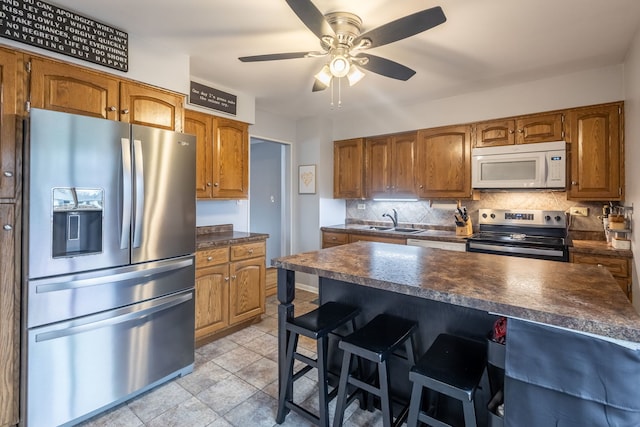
(223, 235)
(575, 296)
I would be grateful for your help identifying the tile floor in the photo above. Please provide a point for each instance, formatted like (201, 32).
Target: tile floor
(234, 383)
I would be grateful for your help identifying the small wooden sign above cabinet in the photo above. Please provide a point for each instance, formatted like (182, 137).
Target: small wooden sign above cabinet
(212, 98)
(59, 30)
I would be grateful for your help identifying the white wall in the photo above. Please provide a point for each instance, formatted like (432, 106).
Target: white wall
(632, 151)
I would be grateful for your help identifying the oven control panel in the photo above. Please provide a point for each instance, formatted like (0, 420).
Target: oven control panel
(524, 217)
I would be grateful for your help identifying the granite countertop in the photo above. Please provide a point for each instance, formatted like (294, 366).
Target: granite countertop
(598, 247)
(576, 296)
(222, 235)
(445, 235)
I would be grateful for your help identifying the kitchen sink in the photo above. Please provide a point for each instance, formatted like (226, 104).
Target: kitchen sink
(373, 227)
(396, 229)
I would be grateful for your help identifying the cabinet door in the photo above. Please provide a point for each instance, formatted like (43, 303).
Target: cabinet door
(72, 89)
(495, 132)
(382, 239)
(444, 159)
(212, 299)
(348, 169)
(402, 164)
(378, 165)
(540, 128)
(8, 94)
(149, 106)
(620, 268)
(246, 298)
(9, 342)
(331, 238)
(201, 126)
(230, 159)
(596, 151)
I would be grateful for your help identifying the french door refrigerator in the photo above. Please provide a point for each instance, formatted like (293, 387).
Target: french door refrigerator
(108, 263)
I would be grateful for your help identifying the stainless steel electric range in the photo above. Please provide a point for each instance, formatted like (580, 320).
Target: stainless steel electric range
(537, 234)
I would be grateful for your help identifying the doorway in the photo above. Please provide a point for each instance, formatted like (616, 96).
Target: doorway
(270, 199)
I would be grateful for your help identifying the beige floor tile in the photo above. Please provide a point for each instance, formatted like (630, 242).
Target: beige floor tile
(227, 394)
(159, 400)
(260, 373)
(192, 413)
(237, 359)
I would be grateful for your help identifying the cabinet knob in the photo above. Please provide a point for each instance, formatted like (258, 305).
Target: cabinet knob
(574, 182)
(125, 111)
(8, 174)
(208, 184)
(226, 279)
(233, 277)
(209, 258)
(215, 184)
(250, 251)
(421, 186)
(112, 108)
(600, 265)
(8, 227)
(520, 131)
(511, 131)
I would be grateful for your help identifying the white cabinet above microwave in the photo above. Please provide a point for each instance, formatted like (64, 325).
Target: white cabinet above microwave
(523, 166)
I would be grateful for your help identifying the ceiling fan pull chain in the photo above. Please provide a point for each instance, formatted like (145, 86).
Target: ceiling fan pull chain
(339, 92)
(331, 83)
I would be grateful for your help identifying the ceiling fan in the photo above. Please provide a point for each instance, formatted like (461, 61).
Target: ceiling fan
(343, 43)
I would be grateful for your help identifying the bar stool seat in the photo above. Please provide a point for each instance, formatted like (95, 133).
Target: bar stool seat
(317, 324)
(375, 342)
(452, 366)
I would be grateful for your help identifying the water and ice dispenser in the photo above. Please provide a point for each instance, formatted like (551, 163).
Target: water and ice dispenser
(77, 221)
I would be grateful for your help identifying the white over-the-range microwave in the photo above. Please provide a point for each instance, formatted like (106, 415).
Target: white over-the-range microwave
(522, 166)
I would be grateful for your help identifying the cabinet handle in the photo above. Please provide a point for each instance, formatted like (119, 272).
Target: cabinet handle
(8, 174)
(112, 108)
(250, 251)
(520, 131)
(334, 238)
(233, 277)
(7, 227)
(125, 111)
(574, 182)
(215, 184)
(208, 184)
(226, 279)
(209, 258)
(600, 265)
(511, 131)
(421, 186)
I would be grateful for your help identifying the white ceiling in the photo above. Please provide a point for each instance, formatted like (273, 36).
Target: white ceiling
(484, 43)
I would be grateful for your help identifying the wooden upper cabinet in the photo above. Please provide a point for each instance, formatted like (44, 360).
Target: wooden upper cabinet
(8, 94)
(348, 169)
(444, 156)
(145, 105)
(495, 132)
(390, 165)
(201, 125)
(230, 159)
(71, 89)
(596, 149)
(539, 128)
(522, 130)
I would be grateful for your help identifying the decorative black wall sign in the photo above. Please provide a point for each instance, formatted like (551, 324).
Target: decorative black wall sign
(212, 98)
(56, 29)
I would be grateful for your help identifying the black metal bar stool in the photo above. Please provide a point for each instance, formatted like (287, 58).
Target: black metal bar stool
(452, 366)
(317, 325)
(376, 342)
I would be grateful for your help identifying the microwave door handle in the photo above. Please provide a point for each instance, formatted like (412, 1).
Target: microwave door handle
(139, 207)
(126, 193)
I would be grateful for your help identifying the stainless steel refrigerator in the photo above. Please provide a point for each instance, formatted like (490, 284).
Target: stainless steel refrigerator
(108, 263)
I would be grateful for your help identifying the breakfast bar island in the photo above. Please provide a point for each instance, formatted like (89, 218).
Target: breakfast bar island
(573, 338)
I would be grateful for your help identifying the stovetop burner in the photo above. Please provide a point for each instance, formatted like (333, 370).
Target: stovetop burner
(518, 238)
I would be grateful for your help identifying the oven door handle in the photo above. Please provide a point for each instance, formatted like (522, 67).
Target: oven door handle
(516, 249)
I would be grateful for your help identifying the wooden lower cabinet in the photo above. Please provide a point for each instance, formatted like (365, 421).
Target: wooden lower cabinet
(230, 288)
(620, 267)
(336, 238)
(330, 238)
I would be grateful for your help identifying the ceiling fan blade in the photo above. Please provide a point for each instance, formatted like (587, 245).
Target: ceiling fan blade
(311, 17)
(274, 57)
(404, 27)
(318, 86)
(386, 67)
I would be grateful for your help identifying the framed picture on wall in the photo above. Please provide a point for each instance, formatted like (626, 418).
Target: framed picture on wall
(307, 179)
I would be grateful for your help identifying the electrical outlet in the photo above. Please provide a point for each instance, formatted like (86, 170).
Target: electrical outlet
(579, 211)
(362, 206)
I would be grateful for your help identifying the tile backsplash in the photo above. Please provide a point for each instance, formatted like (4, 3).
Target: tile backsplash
(422, 213)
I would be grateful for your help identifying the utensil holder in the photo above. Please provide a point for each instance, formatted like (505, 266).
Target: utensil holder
(465, 230)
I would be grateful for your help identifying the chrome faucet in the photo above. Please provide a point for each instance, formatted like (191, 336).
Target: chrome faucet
(393, 218)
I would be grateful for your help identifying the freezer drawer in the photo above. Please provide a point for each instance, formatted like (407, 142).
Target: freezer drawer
(61, 298)
(79, 366)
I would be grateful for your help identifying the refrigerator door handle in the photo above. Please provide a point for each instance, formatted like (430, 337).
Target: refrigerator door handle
(139, 208)
(127, 314)
(126, 193)
(55, 284)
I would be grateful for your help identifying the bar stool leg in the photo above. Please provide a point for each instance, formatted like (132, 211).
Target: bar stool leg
(469, 413)
(341, 400)
(286, 389)
(385, 398)
(414, 405)
(322, 349)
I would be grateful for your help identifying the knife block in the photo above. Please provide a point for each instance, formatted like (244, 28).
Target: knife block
(465, 230)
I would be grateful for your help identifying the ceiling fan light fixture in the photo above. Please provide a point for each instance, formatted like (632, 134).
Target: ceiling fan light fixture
(354, 75)
(339, 66)
(324, 76)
